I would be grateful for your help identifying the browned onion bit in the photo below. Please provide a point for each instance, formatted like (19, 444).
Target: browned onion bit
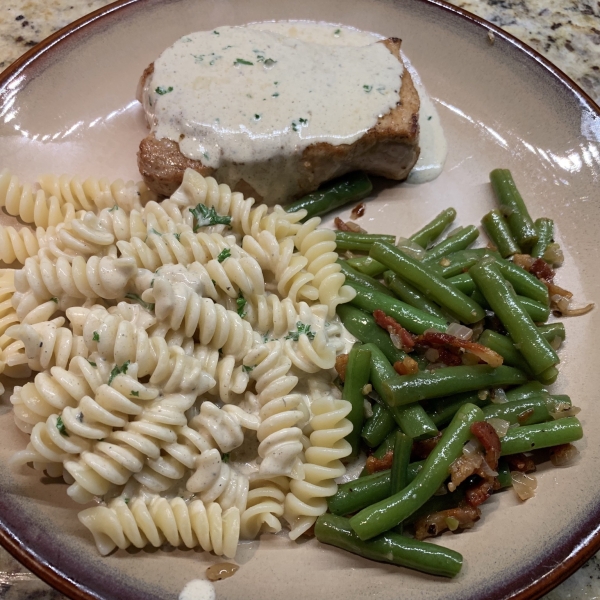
(358, 211)
(220, 571)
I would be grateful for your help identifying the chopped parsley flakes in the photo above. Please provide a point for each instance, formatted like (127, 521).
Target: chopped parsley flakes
(96, 336)
(61, 427)
(134, 393)
(241, 305)
(118, 371)
(225, 253)
(241, 61)
(302, 329)
(147, 305)
(204, 216)
(161, 90)
(247, 369)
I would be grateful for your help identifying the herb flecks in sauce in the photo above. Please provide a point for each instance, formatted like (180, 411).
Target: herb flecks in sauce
(161, 90)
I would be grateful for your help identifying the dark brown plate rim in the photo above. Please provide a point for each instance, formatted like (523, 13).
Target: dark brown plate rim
(527, 589)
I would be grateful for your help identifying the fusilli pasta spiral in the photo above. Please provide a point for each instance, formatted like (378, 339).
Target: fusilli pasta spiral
(307, 497)
(140, 523)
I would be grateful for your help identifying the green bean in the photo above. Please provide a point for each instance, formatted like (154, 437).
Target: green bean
(333, 194)
(366, 265)
(434, 228)
(359, 242)
(463, 282)
(356, 495)
(367, 489)
(553, 330)
(549, 376)
(457, 240)
(399, 471)
(384, 515)
(536, 310)
(542, 435)
(504, 477)
(459, 262)
(365, 281)
(379, 426)
(390, 548)
(523, 412)
(357, 376)
(407, 293)
(524, 283)
(545, 230)
(497, 229)
(441, 410)
(501, 297)
(512, 205)
(413, 319)
(363, 326)
(504, 346)
(429, 283)
(413, 420)
(404, 389)
(528, 390)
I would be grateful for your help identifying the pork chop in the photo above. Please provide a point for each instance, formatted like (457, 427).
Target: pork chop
(389, 149)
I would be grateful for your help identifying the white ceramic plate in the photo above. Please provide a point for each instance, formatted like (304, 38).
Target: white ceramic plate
(68, 106)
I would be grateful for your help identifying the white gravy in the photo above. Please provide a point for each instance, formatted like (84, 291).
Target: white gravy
(247, 101)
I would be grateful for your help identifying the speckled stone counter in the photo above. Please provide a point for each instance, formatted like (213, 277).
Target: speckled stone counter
(567, 32)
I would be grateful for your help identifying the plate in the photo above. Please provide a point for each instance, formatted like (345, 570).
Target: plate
(68, 106)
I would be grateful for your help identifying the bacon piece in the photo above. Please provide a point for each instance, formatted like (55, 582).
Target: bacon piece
(341, 362)
(408, 366)
(374, 464)
(423, 448)
(480, 491)
(542, 270)
(438, 340)
(464, 466)
(521, 463)
(340, 225)
(358, 211)
(436, 523)
(489, 439)
(394, 328)
(449, 358)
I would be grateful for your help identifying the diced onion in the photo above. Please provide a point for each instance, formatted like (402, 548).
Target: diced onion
(554, 255)
(367, 409)
(499, 396)
(523, 484)
(500, 426)
(564, 456)
(452, 523)
(488, 470)
(460, 331)
(396, 340)
(471, 447)
(367, 389)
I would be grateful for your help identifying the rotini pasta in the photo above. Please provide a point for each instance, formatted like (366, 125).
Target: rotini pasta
(307, 497)
(140, 523)
(264, 507)
(318, 247)
(169, 339)
(245, 218)
(279, 434)
(93, 194)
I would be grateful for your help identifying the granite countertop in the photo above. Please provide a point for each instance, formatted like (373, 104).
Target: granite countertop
(567, 32)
